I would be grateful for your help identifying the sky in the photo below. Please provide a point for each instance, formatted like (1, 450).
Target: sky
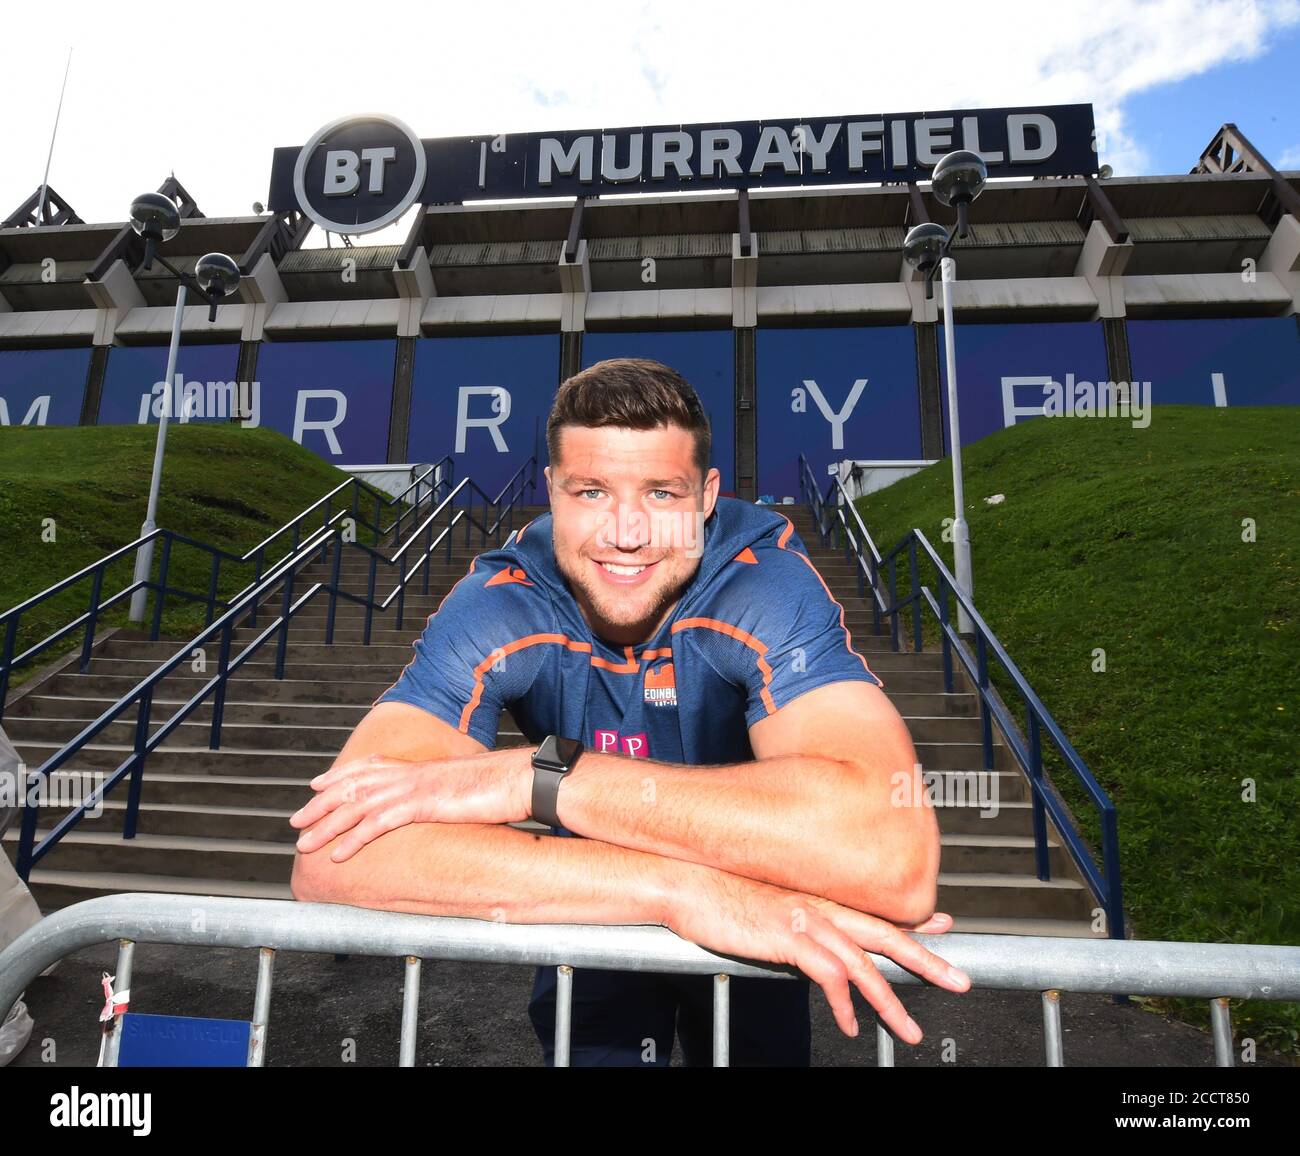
(217, 87)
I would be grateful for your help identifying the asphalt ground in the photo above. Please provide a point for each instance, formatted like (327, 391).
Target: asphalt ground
(474, 1014)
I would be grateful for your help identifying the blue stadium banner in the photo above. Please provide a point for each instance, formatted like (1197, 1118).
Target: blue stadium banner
(155, 1041)
(203, 385)
(363, 171)
(42, 386)
(1218, 361)
(1011, 373)
(705, 358)
(833, 394)
(485, 401)
(333, 397)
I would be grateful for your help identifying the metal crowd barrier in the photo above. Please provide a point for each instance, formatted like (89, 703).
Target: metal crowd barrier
(1049, 965)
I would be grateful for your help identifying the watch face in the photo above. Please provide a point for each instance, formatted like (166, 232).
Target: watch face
(568, 749)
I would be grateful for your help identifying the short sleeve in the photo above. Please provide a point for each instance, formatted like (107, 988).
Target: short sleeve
(798, 635)
(464, 669)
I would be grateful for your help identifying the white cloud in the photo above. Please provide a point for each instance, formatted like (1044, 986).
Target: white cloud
(211, 98)
(1290, 159)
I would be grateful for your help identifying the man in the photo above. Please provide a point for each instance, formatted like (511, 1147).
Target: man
(739, 772)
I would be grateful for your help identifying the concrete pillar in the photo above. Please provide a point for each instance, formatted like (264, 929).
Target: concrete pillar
(575, 287)
(415, 285)
(1101, 263)
(744, 283)
(929, 385)
(116, 293)
(94, 385)
(570, 353)
(399, 418)
(1118, 362)
(746, 463)
(261, 289)
(1281, 257)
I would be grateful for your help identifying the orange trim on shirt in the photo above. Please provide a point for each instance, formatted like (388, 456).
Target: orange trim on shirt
(848, 638)
(740, 636)
(473, 562)
(629, 665)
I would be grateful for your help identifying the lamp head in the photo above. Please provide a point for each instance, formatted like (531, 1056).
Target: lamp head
(923, 246)
(959, 177)
(217, 274)
(218, 277)
(155, 219)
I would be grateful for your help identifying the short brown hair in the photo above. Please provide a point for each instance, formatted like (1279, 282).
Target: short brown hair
(632, 392)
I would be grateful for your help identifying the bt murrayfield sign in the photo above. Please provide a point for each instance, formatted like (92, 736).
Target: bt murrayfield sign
(362, 173)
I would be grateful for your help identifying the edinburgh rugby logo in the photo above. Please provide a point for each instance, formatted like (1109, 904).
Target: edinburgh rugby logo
(661, 686)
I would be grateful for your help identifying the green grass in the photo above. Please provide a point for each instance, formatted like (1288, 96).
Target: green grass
(1131, 541)
(224, 485)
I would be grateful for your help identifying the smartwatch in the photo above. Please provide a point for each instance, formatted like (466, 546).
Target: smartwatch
(553, 760)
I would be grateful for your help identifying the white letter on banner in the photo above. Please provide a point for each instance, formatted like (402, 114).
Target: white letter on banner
(1010, 411)
(501, 396)
(837, 420)
(341, 177)
(376, 159)
(551, 155)
(1019, 151)
(301, 424)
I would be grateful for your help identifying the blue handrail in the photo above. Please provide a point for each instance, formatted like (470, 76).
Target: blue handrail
(281, 574)
(1104, 881)
(10, 619)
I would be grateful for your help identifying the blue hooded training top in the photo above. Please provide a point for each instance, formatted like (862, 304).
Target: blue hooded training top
(754, 628)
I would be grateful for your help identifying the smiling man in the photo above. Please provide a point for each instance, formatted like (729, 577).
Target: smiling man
(712, 751)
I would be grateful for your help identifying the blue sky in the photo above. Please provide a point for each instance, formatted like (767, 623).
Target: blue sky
(1174, 122)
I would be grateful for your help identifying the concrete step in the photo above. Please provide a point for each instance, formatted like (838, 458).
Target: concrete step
(338, 670)
(395, 656)
(290, 714)
(229, 760)
(315, 737)
(277, 793)
(186, 856)
(943, 756)
(990, 894)
(966, 854)
(226, 820)
(1010, 925)
(180, 686)
(55, 889)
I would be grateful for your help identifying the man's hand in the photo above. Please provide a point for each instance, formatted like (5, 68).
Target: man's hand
(732, 915)
(370, 796)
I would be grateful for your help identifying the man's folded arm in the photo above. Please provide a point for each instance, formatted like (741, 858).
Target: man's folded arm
(480, 871)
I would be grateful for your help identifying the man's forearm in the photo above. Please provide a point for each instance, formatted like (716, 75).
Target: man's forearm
(796, 821)
(496, 872)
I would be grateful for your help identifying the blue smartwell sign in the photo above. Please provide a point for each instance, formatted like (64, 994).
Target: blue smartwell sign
(361, 173)
(154, 1041)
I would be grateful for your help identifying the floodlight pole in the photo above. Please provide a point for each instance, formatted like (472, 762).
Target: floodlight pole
(960, 529)
(144, 556)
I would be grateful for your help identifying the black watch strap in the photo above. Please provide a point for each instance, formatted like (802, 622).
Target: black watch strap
(552, 760)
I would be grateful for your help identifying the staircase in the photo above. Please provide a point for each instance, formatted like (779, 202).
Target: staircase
(217, 822)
